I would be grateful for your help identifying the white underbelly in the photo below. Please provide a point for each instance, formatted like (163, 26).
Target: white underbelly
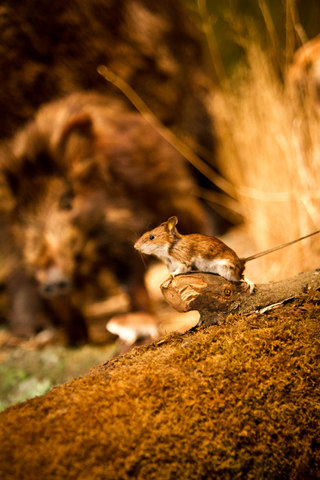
(220, 266)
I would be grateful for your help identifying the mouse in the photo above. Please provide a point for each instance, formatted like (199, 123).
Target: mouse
(193, 252)
(198, 253)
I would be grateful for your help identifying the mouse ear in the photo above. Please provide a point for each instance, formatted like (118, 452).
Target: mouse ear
(171, 223)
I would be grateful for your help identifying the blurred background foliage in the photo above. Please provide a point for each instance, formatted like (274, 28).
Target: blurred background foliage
(280, 26)
(229, 21)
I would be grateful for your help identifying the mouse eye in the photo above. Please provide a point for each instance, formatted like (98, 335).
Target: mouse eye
(151, 237)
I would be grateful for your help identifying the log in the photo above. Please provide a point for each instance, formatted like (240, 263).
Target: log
(215, 297)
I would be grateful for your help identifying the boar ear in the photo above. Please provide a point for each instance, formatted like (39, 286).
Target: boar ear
(80, 125)
(171, 224)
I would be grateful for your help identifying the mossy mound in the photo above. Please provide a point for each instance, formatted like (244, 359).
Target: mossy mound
(239, 400)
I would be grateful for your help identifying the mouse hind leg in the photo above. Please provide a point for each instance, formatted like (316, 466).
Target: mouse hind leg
(231, 272)
(234, 272)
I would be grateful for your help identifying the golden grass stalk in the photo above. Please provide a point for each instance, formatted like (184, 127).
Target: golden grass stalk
(180, 145)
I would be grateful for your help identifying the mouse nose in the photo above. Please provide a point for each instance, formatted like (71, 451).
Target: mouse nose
(56, 283)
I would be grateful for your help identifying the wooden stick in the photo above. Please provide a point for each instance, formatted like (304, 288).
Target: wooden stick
(215, 298)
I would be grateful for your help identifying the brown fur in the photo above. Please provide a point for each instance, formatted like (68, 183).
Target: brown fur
(87, 177)
(239, 400)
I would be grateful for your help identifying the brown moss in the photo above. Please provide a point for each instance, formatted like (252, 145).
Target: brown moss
(239, 400)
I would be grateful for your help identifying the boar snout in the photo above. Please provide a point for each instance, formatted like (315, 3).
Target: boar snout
(55, 283)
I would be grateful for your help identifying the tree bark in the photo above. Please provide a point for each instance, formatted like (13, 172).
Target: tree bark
(215, 297)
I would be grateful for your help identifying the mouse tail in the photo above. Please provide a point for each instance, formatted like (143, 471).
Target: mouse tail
(279, 247)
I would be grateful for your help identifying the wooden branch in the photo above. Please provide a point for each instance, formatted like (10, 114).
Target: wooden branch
(215, 298)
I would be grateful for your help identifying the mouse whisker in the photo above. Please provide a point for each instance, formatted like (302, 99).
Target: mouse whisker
(142, 256)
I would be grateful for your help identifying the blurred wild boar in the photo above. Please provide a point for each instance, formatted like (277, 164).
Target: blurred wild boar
(50, 49)
(87, 177)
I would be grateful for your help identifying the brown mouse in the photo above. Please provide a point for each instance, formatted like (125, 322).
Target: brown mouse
(197, 252)
(194, 252)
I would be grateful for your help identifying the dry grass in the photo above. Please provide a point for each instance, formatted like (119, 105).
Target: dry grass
(270, 151)
(269, 145)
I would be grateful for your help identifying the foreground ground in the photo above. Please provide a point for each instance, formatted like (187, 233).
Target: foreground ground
(239, 400)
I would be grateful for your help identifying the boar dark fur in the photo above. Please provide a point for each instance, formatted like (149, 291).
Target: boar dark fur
(51, 49)
(87, 177)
